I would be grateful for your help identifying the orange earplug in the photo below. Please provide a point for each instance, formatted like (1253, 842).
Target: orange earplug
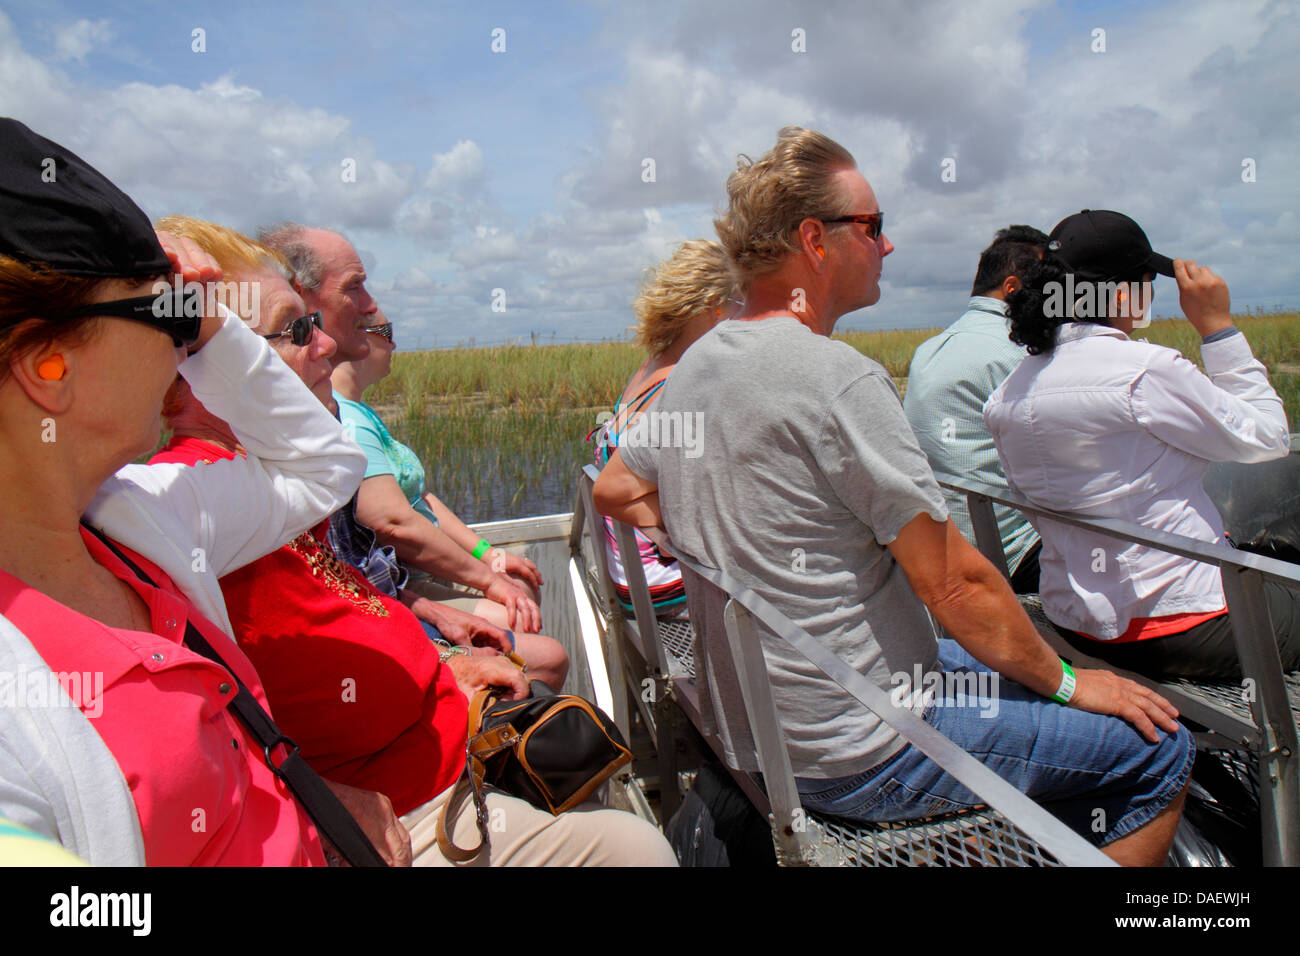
(52, 369)
(821, 252)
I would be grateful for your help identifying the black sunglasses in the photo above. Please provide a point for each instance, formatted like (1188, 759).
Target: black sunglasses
(385, 330)
(301, 330)
(874, 221)
(178, 312)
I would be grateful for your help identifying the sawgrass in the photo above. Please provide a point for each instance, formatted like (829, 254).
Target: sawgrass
(501, 430)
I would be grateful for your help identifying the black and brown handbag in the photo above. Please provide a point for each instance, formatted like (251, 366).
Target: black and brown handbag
(552, 750)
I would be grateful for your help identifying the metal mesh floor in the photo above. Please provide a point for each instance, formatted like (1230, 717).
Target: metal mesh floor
(678, 638)
(1242, 765)
(1229, 696)
(974, 838)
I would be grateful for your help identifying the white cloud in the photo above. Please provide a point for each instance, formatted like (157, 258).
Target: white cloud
(74, 41)
(452, 171)
(1156, 127)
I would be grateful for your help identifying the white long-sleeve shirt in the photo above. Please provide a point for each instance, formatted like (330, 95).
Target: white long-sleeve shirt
(56, 775)
(199, 524)
(1105, 426)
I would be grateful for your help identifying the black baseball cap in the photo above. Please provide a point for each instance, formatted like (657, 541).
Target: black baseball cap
(57, 209)
(1105, 246)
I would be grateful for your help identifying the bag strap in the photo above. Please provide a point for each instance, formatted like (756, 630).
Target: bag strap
(476, 749)
(332, 819)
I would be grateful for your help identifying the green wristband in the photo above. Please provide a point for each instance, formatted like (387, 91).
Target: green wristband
(1066, 690)
(481, 549)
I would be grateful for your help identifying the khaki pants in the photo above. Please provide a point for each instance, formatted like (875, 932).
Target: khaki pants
(522, 835)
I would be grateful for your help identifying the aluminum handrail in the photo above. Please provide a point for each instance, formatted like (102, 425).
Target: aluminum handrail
(1243, 575)
(1063, 843)
(1217, 553)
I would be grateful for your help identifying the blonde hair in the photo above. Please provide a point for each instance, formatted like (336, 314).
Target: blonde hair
(234, 251)
(770, 197)
(696, 278)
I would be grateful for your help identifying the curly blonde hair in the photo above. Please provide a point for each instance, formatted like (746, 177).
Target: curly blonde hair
(768, 198)
(696, 278)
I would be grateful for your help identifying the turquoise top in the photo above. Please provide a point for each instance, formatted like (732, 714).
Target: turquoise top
(385, 455)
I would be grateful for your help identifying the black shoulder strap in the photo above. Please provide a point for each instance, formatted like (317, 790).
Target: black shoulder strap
(333, 820)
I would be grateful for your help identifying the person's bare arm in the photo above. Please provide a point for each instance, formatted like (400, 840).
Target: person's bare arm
(374, 813)
(383, 507)
(626, 496)
(498, 559)
(420, 543)
(977, 607)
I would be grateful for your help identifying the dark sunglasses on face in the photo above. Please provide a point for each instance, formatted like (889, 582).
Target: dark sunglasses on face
(874, 221)
(178, 312)
(301, 330)
(383, 330)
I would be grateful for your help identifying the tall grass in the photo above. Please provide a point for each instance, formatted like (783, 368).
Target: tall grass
(501, 430)
(555, 377)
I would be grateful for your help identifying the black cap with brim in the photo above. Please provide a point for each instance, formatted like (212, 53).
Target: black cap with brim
(1162, 265)
(1101, 245)
(57, 209)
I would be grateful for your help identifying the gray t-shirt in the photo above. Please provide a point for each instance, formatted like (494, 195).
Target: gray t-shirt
(784, 458)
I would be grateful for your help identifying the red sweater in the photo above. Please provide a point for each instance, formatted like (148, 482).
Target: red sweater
(350, 673)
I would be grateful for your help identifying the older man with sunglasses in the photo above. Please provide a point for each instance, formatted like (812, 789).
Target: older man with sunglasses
(814, 493)
(331, 278)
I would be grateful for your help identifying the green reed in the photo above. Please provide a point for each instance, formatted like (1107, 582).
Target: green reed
(501, 430)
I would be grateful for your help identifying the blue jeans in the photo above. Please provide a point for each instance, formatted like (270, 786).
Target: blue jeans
(1096, 773)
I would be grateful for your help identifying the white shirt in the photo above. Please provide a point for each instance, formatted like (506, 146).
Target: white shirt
(1104, 426)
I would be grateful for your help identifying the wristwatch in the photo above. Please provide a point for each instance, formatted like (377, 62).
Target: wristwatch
(454, 651)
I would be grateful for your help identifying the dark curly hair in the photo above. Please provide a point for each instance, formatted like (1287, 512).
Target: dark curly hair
(1031, 324)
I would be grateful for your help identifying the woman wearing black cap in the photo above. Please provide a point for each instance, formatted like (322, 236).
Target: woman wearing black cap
(89, 342)
(1100, 425)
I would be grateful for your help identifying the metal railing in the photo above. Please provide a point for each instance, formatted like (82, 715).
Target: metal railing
(1272, 738)
(1014, 829)
(743, 609)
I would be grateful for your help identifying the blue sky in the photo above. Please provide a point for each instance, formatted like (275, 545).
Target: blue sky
(521, 169)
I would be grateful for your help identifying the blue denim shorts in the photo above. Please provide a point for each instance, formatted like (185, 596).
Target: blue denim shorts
(1096, 773)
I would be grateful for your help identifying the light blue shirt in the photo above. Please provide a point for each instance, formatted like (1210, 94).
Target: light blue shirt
(951, 377)
(385, 455)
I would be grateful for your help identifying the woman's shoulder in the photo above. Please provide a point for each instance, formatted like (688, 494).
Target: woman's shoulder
(359, 418)
(644, 382)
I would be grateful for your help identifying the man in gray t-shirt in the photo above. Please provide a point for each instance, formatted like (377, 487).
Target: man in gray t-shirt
(785, 459)
(834, 473)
